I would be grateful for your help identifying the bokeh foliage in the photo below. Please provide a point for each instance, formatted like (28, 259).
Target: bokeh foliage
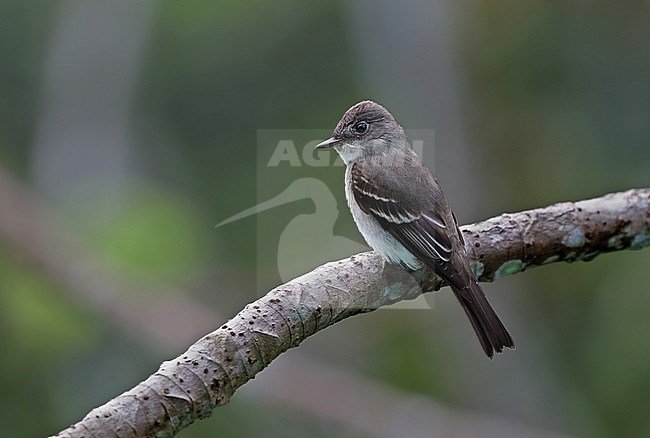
(555, 100)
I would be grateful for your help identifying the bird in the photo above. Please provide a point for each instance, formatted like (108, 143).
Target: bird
(403, 214)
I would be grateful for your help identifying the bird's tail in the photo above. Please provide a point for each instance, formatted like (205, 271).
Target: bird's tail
(488, 327)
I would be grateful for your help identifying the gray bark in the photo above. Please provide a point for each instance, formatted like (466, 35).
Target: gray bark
(190, 386)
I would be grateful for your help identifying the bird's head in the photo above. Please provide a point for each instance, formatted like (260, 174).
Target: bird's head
(365, 130)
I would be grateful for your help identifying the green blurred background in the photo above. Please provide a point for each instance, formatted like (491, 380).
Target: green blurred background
(128, 129)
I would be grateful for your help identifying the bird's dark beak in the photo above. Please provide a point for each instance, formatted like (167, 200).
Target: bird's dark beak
(332, 141)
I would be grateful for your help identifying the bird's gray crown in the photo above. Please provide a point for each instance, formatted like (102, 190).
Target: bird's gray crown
(366, 111)
(367, 130)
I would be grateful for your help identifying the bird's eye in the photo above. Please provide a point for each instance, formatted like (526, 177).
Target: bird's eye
(361, 128)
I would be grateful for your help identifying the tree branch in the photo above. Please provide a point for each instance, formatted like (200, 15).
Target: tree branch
(210, 371)
(174, 320)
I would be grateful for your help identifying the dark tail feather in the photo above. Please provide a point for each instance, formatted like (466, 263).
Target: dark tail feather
(488, 327)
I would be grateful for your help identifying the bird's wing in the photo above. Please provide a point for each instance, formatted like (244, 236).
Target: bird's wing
(424, 232)
(417, 226)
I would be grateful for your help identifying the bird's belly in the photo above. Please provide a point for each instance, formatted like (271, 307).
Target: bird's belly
(379, 239)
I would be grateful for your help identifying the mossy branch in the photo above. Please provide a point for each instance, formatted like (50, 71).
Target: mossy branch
(192, 385)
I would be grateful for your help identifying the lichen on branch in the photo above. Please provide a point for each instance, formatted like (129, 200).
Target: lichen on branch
(210, 371)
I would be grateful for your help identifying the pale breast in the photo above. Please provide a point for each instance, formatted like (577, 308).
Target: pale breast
(379, 239)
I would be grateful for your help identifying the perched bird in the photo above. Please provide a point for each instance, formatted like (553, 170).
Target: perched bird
(403, 214)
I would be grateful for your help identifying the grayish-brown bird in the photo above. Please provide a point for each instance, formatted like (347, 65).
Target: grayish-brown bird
(403, 213)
